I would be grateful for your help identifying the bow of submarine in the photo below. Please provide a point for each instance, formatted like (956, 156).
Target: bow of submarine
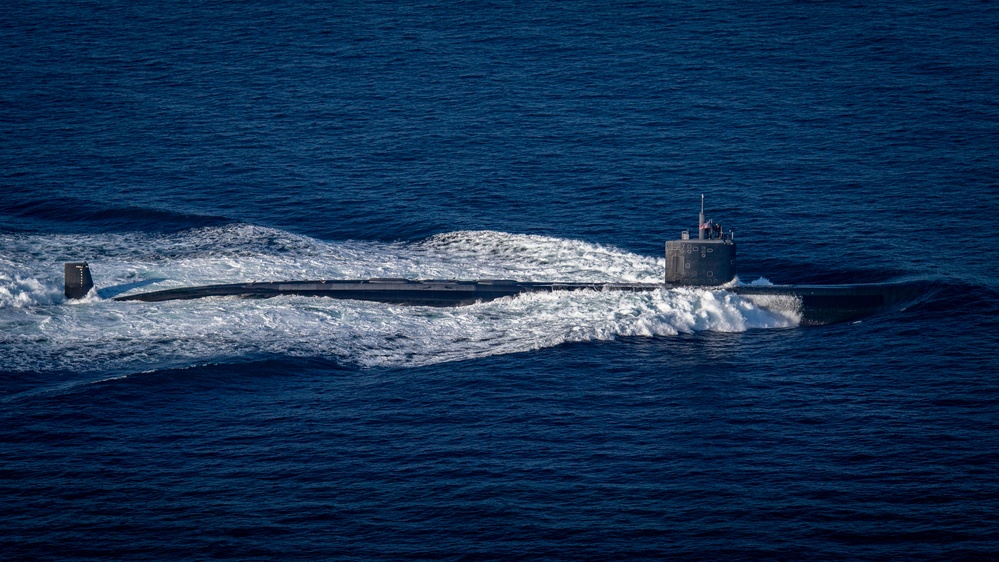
(826, 304)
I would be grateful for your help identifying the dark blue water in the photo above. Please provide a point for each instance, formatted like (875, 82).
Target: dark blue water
(182, 143)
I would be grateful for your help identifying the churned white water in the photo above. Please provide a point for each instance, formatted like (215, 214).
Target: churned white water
(41, 331)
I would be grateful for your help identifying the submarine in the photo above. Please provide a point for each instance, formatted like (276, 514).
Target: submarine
(705, 262)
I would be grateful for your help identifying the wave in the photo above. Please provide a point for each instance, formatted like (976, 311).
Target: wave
(40, 332)
(91, 216)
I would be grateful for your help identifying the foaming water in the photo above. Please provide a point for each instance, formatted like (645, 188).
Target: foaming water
(541, 258)
(17, 291)
(99, 334)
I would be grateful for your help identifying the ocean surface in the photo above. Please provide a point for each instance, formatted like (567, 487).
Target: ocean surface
(179, 143)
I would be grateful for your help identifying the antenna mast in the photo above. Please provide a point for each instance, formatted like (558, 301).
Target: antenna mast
(700, 225)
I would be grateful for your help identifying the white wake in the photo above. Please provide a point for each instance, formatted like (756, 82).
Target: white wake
(40, 331)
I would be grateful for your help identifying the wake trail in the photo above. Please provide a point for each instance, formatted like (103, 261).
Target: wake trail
(41, 332)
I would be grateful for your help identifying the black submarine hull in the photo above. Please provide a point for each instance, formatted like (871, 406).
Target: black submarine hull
(813, 304)
(412, 292)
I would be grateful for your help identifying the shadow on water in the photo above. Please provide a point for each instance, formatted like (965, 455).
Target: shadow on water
(114, 291)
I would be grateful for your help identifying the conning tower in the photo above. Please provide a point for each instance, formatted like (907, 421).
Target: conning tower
(707, 260)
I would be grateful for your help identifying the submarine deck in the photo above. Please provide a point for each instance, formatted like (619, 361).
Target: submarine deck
(816, 304)
(393, 291)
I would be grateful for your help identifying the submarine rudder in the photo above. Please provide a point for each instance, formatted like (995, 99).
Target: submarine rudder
(78, 280)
